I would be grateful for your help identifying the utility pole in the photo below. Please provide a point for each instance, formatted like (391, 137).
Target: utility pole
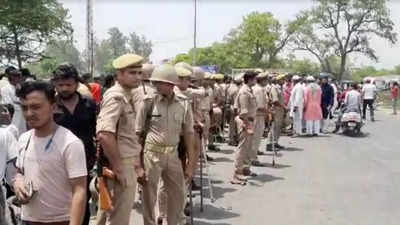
(195, 34)
(89, 37)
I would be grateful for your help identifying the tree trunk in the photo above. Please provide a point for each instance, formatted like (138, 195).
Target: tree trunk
(342, 66)
(17, 50)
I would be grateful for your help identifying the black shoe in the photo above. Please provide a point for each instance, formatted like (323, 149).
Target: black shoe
(187, 210)
(336, 129)
(209, 158)
(279, 146)
(269, 148)
(159, 220)
(213, 148)
(195, 187)
(260, 153)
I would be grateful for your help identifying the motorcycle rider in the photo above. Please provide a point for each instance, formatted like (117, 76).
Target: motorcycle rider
(352, 102)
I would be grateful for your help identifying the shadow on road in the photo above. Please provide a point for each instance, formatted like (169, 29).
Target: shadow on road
(278, 155)
(293, 149)
(263, 178)
(277, 165)
(212, 212)
(222, 159)
(360, 135)
(227, 151)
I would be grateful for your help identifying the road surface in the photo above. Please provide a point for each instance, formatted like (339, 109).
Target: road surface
(318, 181)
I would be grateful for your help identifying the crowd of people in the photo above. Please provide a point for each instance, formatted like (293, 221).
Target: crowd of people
(151, 125)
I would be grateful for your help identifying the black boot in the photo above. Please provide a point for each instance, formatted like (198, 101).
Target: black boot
(337, 128)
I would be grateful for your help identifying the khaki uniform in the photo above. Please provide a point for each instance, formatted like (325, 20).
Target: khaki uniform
(276, 95)
(145, 89)
(168, 119)
(247, 106)
(117, 115)
(206, 107)
(261, 98)
(232, 93)
(194, 96)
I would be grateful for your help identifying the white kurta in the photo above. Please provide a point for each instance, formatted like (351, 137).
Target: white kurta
(297, 100)
(8, 97)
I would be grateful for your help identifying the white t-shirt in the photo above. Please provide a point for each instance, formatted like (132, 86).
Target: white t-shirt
(7, 149)
(50, 169)
(8, 97)
(369, 91)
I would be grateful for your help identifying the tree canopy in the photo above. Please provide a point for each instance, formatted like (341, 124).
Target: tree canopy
(27, 26)
(343, 27)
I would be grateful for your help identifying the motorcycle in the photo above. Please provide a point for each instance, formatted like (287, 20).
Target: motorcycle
(351, 122)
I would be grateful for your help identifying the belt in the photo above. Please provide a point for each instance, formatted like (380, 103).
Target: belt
(128, 160)
(159, 148)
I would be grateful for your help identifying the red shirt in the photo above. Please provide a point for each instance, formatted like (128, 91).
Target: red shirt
(95, 89)
(395, 92)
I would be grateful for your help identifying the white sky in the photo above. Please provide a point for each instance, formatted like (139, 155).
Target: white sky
(169, 24)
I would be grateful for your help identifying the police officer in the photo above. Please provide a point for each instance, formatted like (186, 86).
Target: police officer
(279, 110)
(161, 118)
(146, 86)
(184, 72)
(206, 107)
(261, 98)
(115, 132)
(232, 92)
(246, 106)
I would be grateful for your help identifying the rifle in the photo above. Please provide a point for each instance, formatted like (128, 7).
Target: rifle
(103, 173)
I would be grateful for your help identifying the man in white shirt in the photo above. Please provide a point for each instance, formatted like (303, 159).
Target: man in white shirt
(8, 155)
(8, 97)
(296, 103)
(51, 178)
(368, 94)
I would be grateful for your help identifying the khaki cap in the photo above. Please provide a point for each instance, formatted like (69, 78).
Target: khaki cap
(182, 72)
(218, 76)
(280, 77)
(258, 70)
(198, 73)
(184, 65)
(207, 75)
(262, 75)
(147, 68)
(128, 60)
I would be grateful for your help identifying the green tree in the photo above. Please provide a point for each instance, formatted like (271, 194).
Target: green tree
(56, 52)
(342, 27)
(117, 42)
(139, 45)
(396, 69)
(260, 38)
(27, 26)
(302, 67)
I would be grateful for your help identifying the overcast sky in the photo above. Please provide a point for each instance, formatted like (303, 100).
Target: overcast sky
(169, 24)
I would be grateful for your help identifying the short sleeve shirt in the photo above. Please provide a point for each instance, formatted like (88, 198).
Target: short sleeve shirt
(369, 91)
(167, 119)
(50, 170)
(7, 149)
(260, 94)
(246, 102)
(117, 115)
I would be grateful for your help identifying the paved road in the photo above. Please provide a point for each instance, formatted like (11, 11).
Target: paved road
(324, 180)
